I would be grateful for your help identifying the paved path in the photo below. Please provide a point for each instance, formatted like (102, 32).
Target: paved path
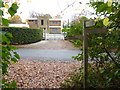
(55, 50)
(48, 55)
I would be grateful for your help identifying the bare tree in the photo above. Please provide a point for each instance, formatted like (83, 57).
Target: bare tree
(16, 19)
(34, 14)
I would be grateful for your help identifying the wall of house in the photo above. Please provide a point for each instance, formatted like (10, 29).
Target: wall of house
(51, 25)
(45, 23)
(32, 25)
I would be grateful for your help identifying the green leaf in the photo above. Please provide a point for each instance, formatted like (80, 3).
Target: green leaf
(4, 38)
(9, 35)
(100, 38)
(14, 60)
(4, 80)
(5, 22)
(1, 4)
(109, 10)
(13, 84)
(16, 55)
(102, 71)
(1, 12)
(101, 8)
(13, 9)
(4, 68)
(14, 48)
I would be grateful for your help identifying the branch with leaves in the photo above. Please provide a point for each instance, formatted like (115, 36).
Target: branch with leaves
(7, 57)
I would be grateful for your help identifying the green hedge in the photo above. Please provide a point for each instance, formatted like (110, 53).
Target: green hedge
(23, 35)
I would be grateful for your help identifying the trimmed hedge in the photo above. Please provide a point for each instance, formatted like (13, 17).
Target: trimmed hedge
(23, 35)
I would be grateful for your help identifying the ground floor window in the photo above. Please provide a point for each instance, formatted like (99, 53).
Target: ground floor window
(54, 30)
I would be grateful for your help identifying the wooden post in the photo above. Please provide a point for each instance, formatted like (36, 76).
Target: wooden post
(85, 55)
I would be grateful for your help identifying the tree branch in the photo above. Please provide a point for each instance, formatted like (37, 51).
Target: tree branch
(111, 57)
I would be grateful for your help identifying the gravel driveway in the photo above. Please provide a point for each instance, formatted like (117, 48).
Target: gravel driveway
(51, 45)
(48, 50)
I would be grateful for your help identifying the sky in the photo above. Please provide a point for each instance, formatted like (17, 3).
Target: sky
(52, 7)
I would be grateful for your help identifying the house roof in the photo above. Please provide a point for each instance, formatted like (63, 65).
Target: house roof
(32, 18)
(55, 19)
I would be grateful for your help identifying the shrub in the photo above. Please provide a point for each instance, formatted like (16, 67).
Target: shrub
(98, 77)
(103, 51)
(23, 35)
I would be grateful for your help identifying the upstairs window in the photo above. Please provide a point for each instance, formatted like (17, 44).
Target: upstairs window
(54, 23)
(42, 22)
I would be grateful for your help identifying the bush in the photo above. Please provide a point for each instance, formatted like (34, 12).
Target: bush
(98, 77)
(23, 35)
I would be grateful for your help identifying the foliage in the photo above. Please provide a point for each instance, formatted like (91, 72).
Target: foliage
(15, 19)
(13, 9)
(103, 51)
(75, 29)
(111, 12)
(24, 35)
(8, 55)
(104, 77)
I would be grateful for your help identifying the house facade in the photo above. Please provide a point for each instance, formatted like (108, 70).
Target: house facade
(55, 26)
(32, 22)
(43, 23)
(52, 26)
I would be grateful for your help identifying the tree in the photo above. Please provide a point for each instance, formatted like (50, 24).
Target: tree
(103, 50)
(15, 19)
(37, 15)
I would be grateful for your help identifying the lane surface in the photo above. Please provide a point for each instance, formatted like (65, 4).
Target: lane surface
(48, 55)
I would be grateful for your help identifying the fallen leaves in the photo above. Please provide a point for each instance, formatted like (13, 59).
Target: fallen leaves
(35, 74)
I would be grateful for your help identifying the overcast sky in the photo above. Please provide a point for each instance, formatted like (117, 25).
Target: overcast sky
(52, 7)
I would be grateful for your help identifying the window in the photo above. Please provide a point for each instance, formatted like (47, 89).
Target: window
(54, 30)
(30, 20)
(42, 22)
(36, 22)
(54, 22)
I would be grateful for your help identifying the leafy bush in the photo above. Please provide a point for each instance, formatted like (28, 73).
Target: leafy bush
(103, 51)
(107, 76)
(75, 29)
(24, 35)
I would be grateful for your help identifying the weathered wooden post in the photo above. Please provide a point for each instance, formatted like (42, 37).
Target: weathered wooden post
(85, 50)
(85, 54)
(84, 37)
